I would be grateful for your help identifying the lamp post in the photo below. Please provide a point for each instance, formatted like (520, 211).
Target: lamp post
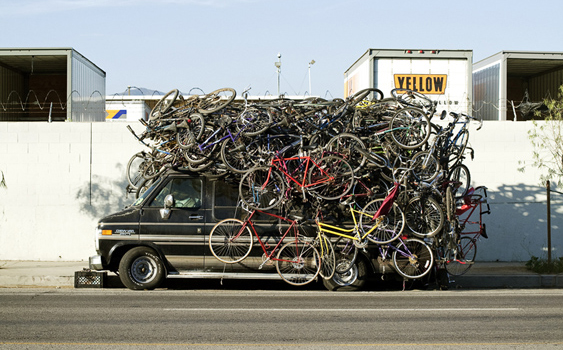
(278, 66)
(310, 64)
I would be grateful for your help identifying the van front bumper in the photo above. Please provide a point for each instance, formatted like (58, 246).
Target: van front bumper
(95, 262)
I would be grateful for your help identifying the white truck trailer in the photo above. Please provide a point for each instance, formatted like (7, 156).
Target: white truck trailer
(443, 75)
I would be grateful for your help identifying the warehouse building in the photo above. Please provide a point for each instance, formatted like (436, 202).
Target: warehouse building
(50, 84)
(511, 85)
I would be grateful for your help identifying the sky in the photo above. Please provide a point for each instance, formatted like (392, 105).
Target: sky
(198, 46)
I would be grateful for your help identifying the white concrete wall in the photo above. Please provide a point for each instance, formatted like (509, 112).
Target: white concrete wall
(62, 177)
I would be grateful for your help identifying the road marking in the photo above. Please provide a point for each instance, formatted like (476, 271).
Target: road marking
(347, 310)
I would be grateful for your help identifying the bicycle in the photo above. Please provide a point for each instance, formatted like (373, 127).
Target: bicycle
(329, 178)
(297, 261)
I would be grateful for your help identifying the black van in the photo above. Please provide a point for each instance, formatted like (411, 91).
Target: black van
(163, 234)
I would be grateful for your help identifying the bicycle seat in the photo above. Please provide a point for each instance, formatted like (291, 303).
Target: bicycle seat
(295, 217)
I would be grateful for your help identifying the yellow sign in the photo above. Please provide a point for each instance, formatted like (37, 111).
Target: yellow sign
(432, 84)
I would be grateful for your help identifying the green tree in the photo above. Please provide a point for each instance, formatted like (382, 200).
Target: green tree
(547, 139)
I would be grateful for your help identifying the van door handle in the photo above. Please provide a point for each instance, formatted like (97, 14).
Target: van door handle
(196, 217)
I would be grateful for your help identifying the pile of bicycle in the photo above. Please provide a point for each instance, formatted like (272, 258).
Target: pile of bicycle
(365, 169)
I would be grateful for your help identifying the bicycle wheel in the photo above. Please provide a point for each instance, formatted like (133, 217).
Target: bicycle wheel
(413, 98)
(410, 128)
(457, 149)
(424, 216)
(237, 156)
(253, 121)
(412, 258)
(461, 179)
(345, 254)
(262, 188)
(298, 263)
(216, 100)
(345, 145)
(386, 228)
(331, 179)
(460, 261)
(327, 256)
(230, 241)
(164, 105)
(425, 166)
(190, 130)
(135, 169)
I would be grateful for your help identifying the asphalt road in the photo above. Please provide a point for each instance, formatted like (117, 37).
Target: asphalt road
(280, 319)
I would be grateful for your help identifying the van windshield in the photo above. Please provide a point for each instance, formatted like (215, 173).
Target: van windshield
(145, 194)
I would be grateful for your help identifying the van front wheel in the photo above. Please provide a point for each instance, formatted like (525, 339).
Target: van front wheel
(141, 268)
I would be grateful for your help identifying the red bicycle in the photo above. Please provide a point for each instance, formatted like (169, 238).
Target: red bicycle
(329, 178)
(297, 260)
(469, 229)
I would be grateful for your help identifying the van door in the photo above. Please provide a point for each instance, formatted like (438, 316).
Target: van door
(179, 233)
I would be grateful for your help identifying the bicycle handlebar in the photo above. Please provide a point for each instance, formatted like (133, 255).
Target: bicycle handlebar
(468, 117)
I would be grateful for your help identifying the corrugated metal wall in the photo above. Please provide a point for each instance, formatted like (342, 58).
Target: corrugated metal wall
(486, 93)
(88, 91)
(545, 85)
(12, 94)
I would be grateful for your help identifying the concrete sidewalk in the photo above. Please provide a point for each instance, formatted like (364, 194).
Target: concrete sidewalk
(60, 274)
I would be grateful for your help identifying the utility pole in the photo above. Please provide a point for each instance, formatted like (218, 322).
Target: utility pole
(310, 64)
(278, 66)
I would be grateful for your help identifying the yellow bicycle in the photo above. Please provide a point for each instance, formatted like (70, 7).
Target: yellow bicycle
(381, 221)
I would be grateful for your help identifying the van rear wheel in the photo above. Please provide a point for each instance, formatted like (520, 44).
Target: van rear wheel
(141, 268)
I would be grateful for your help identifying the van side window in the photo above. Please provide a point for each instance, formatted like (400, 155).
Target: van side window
(186, 193)
(225, 200)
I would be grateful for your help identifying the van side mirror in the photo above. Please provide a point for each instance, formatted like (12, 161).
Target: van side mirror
(168, 203)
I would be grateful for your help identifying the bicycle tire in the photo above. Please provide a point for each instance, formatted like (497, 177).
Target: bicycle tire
(345, 254)
(262, 188)
(345, 145)
(253, 121)
(190, 130)
(164, 105)
(461, 177)
(425, 167)
(388, 227)
(237, 156)
(465, 257)
(135, 167)
(413, 99)
(457, 149)
(362, 94)
(327, 256)
(412, 258)
(424, 216)
(213, 102)
(340, 174)
(298, 263)
(410, 128)
(230, 241)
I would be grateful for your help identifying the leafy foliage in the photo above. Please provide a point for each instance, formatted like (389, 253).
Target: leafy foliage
(547, 140)
(543, 266)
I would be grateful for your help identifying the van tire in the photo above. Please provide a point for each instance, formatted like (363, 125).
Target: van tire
(141, 268)
(352, 280)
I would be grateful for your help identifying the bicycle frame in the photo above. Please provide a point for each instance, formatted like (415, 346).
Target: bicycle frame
(472, 203)
(270, 256)
(335, 230)
(304, 161)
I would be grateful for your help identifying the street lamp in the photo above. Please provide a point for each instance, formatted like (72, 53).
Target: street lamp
(310, 64)
(278, 66)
